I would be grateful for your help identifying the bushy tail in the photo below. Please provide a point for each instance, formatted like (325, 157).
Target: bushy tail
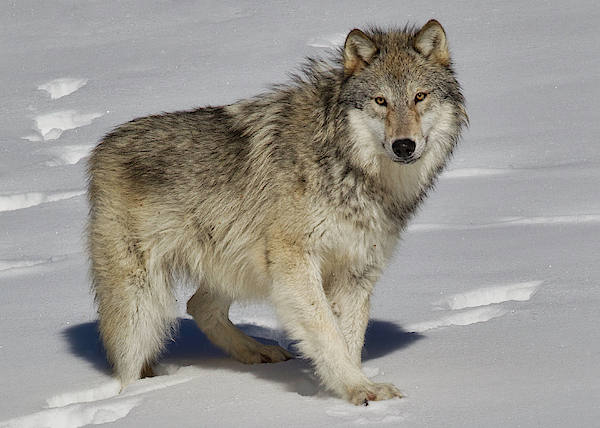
(135, 302)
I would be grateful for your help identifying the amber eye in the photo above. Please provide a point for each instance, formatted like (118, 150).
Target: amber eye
(381, 101)
(420, 96)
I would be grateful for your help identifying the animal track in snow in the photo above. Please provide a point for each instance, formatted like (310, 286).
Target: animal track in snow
(50, 126)
(75, 415)
(103, 392)
(67, 155)
(472, 316)
(330, 41)
(487, 296)
(27, 200)
(479, 305)
(58, 88)
(377, 412)
(473, 172)
(509, 222)
(18, 264)
(558, 219)
(99, 405)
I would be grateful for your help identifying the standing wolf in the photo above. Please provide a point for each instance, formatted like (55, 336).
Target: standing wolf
(298, 195)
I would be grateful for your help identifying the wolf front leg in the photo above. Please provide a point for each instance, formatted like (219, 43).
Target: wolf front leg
(302, 305)
(349, 294)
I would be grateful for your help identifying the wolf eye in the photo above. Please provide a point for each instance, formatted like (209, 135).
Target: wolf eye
(381, 101)
(420, 96)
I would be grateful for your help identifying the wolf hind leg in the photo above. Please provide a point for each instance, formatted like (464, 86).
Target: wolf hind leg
(136, 319)
(211, 313)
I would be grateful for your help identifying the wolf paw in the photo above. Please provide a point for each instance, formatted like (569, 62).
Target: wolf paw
(374, 392)
(263, 354)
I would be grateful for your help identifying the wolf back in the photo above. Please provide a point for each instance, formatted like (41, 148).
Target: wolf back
(298, 196)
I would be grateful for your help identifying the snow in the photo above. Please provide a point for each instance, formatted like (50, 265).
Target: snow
(58, 88)
(488, 314)
(52, 125)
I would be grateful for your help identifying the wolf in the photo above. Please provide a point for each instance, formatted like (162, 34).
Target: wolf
(298, 195)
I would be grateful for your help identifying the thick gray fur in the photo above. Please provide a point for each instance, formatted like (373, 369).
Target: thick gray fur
(298, 196)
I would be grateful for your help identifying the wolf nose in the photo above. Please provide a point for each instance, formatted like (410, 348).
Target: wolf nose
(404, 148)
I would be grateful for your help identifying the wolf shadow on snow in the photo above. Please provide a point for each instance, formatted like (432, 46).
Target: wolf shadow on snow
(191, 346)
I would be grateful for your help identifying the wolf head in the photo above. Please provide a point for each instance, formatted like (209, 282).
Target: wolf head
(401, 94)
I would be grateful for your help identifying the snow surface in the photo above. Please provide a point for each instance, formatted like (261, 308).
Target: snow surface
(488, 315)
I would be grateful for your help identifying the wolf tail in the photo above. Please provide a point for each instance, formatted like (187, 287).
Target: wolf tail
(135, 301)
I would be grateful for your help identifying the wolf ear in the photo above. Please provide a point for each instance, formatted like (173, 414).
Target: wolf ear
(431, 42)
(359, 51)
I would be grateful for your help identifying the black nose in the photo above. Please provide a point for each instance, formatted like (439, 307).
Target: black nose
(404, 148)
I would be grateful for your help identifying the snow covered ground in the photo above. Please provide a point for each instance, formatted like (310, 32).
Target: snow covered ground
(489, 313)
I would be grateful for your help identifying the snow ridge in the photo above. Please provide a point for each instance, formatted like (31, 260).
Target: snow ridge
(478, 305)
(487, 296)
(59, 88)
(68, 155)
(75, 415)
(101, 404)
(19, 264)
(31, 199)
(50, 126)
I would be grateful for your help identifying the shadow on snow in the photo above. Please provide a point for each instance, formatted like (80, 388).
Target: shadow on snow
(191, 347)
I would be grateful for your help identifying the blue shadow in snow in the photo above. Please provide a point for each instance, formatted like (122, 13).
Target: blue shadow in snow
(190, 344)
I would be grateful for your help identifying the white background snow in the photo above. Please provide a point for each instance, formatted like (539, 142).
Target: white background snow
(488, 315)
